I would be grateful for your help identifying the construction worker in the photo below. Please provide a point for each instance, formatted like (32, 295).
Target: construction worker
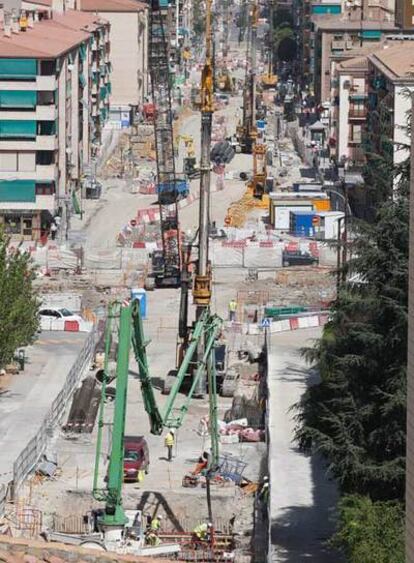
(169, 443)
(202, 532)
(232, 310)
(156, 524)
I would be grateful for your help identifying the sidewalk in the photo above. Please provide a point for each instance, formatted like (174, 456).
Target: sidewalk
(302, 498)
(25, 401)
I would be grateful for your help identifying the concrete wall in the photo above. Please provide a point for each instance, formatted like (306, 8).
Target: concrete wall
(125, 57)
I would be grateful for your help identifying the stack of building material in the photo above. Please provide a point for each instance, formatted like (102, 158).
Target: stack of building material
(142, 143)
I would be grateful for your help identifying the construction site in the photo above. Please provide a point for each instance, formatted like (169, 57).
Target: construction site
(157, 444)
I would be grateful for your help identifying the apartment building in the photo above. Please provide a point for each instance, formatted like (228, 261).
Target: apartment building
(404, 14)
(54, 98)
(128, 21)
(337, 40)
(391, 81)
(309, 14)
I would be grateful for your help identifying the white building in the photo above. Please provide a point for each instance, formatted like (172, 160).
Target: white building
(129, 47)
(51, 113)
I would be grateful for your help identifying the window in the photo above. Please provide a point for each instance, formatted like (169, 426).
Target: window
(45, 188)
(45, 157)
(45, 98)
(66, 312)
(47, 68)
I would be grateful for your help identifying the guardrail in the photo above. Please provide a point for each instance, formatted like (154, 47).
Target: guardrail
(31, 454)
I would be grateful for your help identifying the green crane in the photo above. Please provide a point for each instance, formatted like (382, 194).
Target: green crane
(131, 333)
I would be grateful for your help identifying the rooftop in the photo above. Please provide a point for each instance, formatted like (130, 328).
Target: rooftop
(335, 23)
(396, 62)
(357, 63)
(49, 38)
(97, 5)
(112, 6)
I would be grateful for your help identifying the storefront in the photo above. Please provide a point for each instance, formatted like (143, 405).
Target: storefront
(22, 224)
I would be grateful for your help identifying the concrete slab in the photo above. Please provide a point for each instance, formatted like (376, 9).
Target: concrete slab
(24, 402)
(302, 499)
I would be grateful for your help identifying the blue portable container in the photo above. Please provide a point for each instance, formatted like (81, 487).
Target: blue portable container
(170, 192)
(141, 295)
(301, 223)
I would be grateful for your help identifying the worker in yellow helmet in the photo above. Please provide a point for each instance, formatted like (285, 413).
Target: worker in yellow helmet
(202, 532)
(232, 310)
(169, 443)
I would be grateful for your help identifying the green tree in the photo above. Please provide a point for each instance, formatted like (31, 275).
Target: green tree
(18, 300)
(355, 416)
(370, 532)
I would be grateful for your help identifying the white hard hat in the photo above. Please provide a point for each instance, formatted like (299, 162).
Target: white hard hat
(210, 525)
(159, 517)
(172, 431)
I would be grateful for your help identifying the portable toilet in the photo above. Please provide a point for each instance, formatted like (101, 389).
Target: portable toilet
(140, 294)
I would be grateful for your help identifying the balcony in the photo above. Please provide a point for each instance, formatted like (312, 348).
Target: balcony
(41, 202)
(43, 172)
(46, 113)
(356, 155)
(338, 46)
(357, 113)
(94, 45)
(40, 143)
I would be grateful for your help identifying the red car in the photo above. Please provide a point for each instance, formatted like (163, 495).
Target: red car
(136, 457)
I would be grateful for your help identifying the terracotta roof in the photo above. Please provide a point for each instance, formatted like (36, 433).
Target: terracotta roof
(396, 61)
(46, 39)
(81, 21)
(97, 5)
(112, 6)
(357, 63)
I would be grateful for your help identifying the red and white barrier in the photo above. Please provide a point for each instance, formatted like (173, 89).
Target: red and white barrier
(65, 325)
(284, 325)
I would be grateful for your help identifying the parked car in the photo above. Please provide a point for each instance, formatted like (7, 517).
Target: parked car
(136, 457)
(290, 258)
(54, 313)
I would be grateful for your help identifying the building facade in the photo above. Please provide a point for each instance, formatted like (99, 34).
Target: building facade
(54, 98)
(349, 112)
(391, 83)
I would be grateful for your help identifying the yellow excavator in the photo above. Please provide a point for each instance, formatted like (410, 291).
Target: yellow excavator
(190, 167)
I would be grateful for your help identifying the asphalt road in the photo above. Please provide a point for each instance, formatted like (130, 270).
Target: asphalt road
(25, 401)
(302, 498)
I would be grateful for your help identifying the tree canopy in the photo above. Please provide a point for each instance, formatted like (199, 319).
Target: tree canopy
(18, 300)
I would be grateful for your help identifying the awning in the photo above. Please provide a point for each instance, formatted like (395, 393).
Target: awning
(358, 97)
(18, 191)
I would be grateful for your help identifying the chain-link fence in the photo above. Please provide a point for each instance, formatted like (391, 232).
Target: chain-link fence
(31, 454)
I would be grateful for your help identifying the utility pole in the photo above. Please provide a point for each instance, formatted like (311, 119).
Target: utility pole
(202, 281)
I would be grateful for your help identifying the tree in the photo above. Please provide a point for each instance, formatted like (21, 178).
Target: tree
(355, 416)
(370, 532)
(18, 300)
